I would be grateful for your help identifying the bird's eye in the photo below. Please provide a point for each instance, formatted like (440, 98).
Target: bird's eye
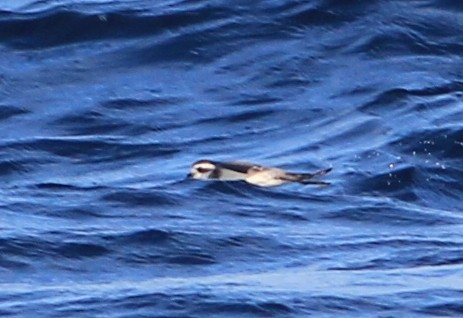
(203, 170)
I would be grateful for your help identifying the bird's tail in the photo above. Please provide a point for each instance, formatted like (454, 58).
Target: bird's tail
(305, 178)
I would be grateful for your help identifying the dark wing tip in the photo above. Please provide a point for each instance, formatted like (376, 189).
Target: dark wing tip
(322, 172)
(319, 183)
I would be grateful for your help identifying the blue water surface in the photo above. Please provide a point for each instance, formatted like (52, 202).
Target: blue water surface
(105, 104)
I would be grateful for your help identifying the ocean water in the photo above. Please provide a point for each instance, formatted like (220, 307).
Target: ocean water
(104, 105)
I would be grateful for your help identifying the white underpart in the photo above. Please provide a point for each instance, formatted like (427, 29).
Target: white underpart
(266, 177)
(230, 175)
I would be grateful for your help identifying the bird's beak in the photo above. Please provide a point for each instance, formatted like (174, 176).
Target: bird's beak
(189, 176)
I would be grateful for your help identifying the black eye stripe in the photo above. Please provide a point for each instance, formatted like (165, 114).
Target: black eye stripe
(203, 170)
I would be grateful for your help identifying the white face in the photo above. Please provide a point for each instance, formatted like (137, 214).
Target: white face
(201, 170)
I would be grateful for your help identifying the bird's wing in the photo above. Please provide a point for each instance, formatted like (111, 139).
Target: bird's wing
(239, 166)
(307, 176)
(304, 178)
